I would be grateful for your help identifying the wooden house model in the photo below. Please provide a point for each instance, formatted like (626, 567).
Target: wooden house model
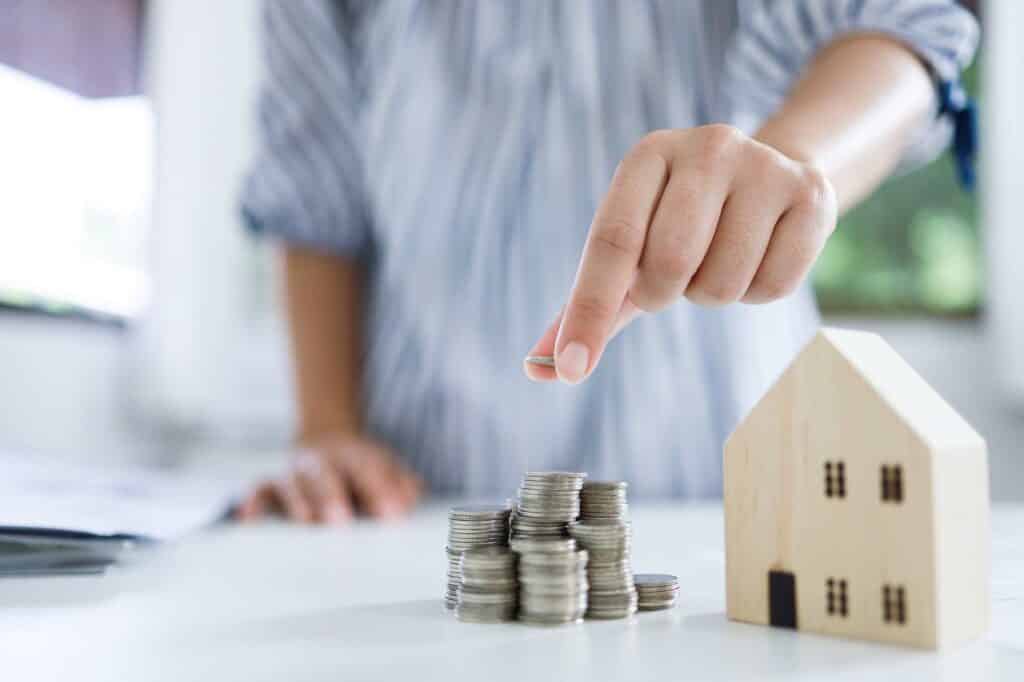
(856, 503)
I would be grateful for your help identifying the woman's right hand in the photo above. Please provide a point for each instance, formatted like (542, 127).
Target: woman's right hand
(333, 478)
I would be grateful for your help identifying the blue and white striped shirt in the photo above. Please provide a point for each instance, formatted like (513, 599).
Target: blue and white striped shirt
(460, 149)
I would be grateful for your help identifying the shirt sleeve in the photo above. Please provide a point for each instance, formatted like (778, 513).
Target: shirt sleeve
(306, 184)
(776, 39)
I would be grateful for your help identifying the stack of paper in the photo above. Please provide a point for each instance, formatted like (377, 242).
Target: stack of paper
(61, 519)
(29, 551)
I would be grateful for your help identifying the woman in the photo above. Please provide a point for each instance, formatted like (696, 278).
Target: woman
(437, 174)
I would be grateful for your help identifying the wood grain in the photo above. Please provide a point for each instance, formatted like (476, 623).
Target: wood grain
(848, 397)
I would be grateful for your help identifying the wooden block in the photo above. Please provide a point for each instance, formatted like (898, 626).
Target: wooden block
(856, 479)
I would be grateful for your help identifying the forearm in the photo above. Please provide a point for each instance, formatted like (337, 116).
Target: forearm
(853, 113)
(323, 296)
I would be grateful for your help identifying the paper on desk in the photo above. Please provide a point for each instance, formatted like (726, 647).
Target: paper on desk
(44, 493)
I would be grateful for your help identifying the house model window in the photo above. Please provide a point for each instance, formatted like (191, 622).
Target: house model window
(835, 597)
(892, 483)
(894, 604)
(835, 479)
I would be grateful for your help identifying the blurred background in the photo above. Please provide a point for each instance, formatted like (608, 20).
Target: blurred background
(138, 322)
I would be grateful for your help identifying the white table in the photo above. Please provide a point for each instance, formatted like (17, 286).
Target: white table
(283, 603)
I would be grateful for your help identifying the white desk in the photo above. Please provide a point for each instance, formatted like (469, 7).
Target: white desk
(285, 604)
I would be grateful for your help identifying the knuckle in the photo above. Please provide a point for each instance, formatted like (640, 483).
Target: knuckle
(589, 309)
(717, 292)
(649, 296)
(814, 188)
(620, 235)
(721, 140)
(654, 142)
(672, 265)
(770, 289)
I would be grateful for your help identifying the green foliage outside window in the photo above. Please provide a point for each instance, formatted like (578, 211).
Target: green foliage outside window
(912, 247)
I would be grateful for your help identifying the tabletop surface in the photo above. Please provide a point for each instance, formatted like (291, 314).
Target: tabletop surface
(277, 602)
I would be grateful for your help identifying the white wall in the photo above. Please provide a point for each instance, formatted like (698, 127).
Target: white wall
(1002, 182)
(210, 350)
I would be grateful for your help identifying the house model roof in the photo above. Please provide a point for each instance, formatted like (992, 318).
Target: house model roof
(896, 383)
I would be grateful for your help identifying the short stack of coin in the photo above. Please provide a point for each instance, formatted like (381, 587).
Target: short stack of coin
(552, 580)
(548, 502)
(487, 591)
(657, 590)
(603, 501)
(468, 527)
(604, 531)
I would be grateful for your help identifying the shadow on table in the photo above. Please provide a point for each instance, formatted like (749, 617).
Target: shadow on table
(702, 646)
(739, 650)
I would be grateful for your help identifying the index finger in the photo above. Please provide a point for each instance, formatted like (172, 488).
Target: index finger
(609, 262)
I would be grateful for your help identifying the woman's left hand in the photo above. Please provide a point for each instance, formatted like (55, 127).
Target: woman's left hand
(705, 213)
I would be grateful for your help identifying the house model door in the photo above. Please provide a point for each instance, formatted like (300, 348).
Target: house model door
(782, 599)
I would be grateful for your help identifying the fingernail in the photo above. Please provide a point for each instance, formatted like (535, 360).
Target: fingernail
(571, 363)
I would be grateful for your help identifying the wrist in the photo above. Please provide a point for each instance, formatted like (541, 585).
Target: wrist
(775, 135)
(320, 430)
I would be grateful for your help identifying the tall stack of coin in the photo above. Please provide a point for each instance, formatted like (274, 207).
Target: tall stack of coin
(552, 580)
(487, 591)
(657, 590)
(604, 531)
(468, 527)
(548, 502)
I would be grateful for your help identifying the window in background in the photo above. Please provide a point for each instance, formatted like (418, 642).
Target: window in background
(912, 247)
(76, 167)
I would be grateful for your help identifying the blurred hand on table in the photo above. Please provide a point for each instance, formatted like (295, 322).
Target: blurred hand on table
(334, 478)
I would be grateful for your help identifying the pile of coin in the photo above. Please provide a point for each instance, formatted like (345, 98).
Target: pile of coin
(604, 531)
(552, 580)
(657, 590)
(468, 527)
(571, 556)
(487, 590)
(548, 502)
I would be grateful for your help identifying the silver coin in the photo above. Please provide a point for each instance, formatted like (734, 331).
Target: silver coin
(576, 558)
(477, 527)
(466, 597)
(541, 360)
(498, 535)
(554, 475)
(596, 485)
(476, 510)
(650, 580)
(542, 546)
(658, 592)
(475, 614)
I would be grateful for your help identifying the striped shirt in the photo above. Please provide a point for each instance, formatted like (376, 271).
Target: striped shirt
(459, 149)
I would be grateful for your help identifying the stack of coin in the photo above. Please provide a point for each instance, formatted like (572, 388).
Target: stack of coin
(604, 531)
(487, 586)
(657, 590)
(552, 581)
(468, 527)
(548, 502)
(603, 501)
(609, 571)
